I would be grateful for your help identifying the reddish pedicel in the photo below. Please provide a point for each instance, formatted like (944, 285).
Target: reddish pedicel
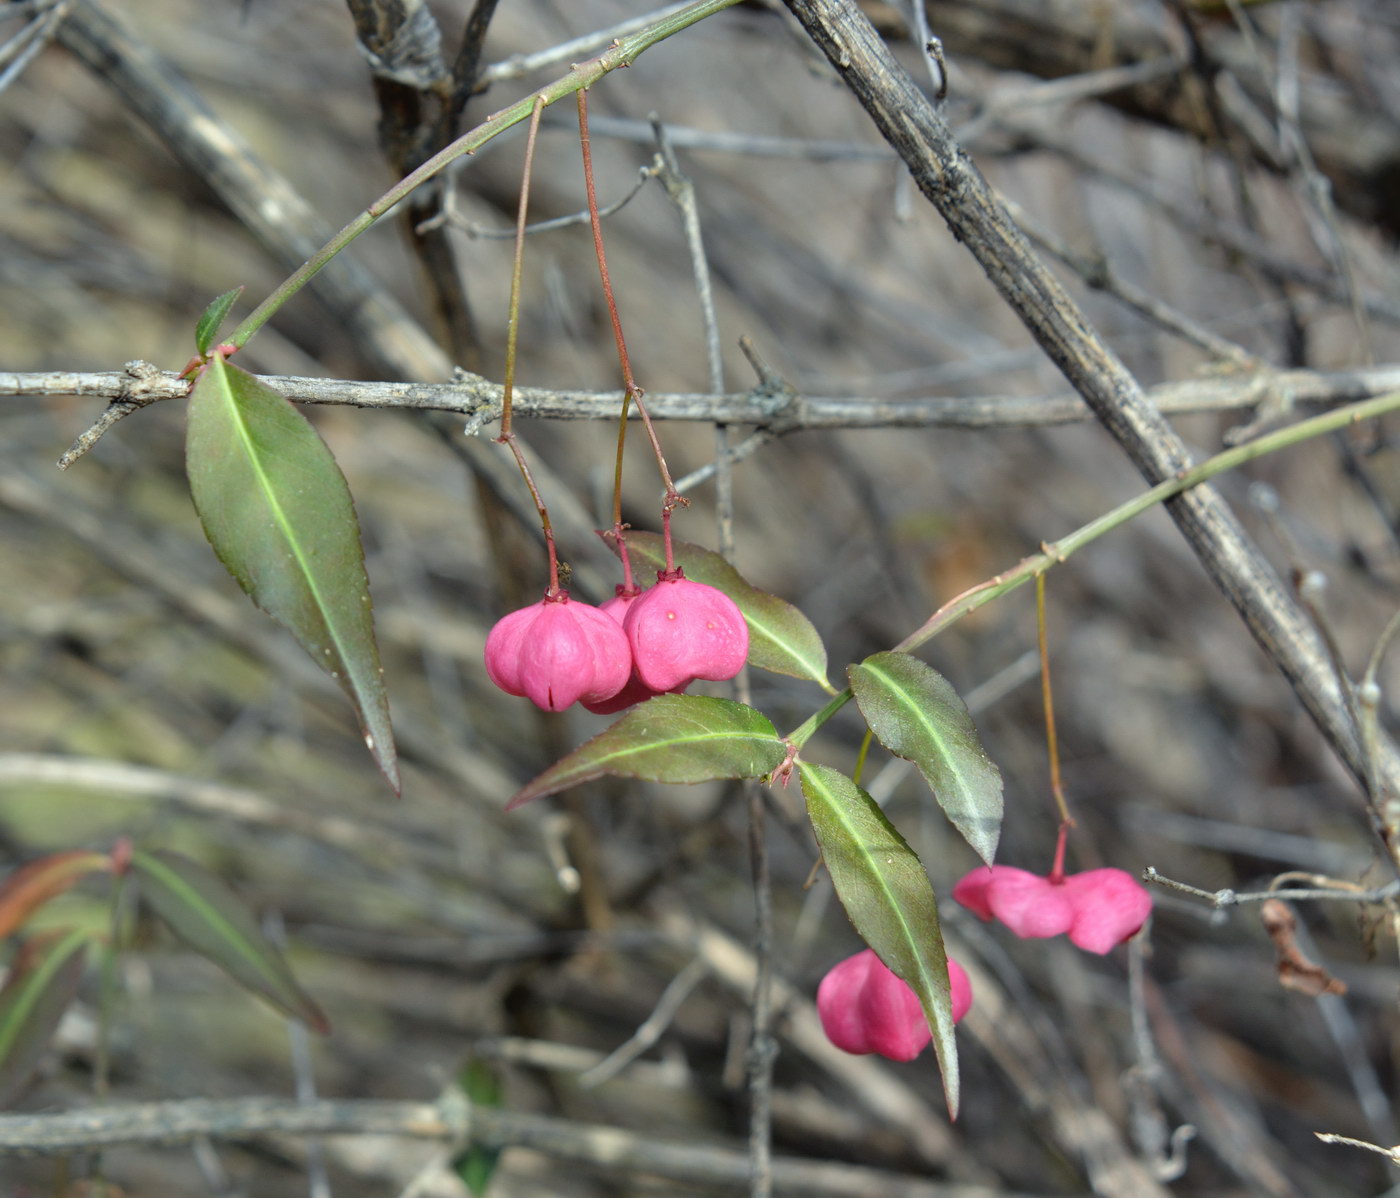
(1098, 908)
(865, 1008)
(557, 652)
(682, 630)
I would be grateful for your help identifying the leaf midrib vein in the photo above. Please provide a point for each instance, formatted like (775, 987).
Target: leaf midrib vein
(287, 530)
(212, 916)
(939, 1015)
(894, 686)
(757, 737)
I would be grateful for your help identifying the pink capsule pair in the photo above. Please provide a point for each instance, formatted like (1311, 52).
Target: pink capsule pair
(1098, 909)
(638, 644)
(865, 1007)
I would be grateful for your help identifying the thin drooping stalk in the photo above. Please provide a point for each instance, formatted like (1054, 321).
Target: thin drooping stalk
(508, 436)
(622, 53)
(631, 392)
(517, 269)
(1052, 740)
(1057, 866)
(629, 384)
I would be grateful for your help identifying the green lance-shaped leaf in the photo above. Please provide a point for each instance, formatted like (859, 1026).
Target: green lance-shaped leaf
(882, 884)
(671, 738)
(916, 714)
(476, 1164)
(206, 331)
(41, 985)
(213, 921)
(276, 509)
(781, 639)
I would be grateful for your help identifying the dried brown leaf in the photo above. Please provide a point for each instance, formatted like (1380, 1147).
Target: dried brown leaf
(1295, 970)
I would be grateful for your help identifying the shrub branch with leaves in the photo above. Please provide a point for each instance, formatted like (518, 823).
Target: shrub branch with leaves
(278, 513)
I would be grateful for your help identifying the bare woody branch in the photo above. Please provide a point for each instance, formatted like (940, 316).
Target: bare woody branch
(452, 1123)
(478, 400)
(979, 219)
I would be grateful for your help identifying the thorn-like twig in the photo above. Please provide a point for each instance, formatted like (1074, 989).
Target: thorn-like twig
(143, 385)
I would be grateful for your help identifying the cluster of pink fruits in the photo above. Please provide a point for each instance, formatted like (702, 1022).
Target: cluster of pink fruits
(865, 1008)
(639, 643)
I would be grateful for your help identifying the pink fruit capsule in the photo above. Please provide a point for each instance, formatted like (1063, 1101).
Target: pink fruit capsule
(682, 630)
(634, 691)
(1099, 908)
(865, 1008)
(557, 652)
(1109, 906)
(1030, 905)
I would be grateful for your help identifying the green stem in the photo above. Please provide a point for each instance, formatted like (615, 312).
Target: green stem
(861, 756)
(803, 734)
(107, 989)
(622, 53)
(1058, 551)
(1052, 739)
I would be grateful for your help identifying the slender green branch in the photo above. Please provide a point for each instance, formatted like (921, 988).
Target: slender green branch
(622, 53)
(803, 734)
(1058, 551)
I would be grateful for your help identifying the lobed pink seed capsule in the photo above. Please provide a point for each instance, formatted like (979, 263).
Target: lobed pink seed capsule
(1109, 906)
(557, 652)
(1030, 905)
(634, 691)
(1099, 908)
(864, 1008)
(682, 630)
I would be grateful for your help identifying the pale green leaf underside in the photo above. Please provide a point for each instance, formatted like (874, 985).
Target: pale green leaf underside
(781, 639)
(916, 714)
(277, 511)
(671, 738)
(885, 891)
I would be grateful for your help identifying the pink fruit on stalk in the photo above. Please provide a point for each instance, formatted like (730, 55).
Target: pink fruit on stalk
(1030, 905)
(682, 630)
(558, 651)
(1099, 908)
(1109, 906)
(634, 691)
(865, 1008)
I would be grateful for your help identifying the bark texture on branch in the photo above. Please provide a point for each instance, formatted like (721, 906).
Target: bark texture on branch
(612, 1149)
(978, 218)
(479, 400)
